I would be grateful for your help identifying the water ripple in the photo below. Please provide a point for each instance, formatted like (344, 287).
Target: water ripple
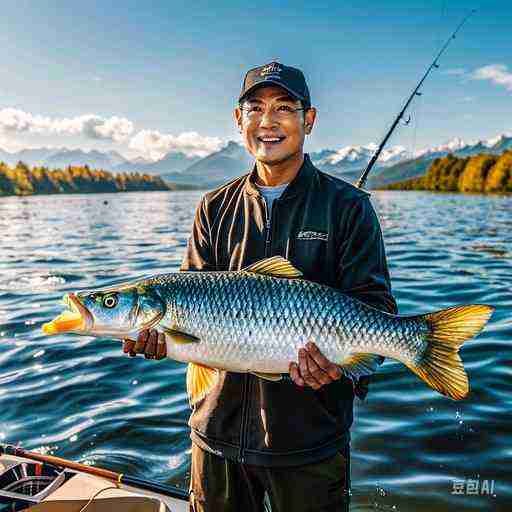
(81, 398)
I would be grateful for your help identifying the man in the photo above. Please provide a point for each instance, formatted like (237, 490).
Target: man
(288, 439)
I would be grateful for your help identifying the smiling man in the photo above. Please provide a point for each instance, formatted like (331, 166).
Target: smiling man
(287, 439)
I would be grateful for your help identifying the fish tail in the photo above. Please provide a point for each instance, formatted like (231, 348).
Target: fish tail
(441, 366)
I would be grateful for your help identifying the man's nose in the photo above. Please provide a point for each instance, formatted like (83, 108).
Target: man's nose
(268, 118)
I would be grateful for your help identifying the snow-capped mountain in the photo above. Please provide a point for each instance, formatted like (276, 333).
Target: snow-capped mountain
(170, 163)
(417, 166)
(394, 164)
(221, 166)
(109, 160)
(350, 159)
(457, 146)
(62, 157)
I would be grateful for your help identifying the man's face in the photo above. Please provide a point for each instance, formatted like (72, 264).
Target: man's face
(272, 131)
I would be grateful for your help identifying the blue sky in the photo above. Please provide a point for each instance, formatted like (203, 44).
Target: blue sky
(140, 77)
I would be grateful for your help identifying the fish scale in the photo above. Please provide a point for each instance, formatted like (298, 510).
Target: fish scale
(238, 314)
(256, 319)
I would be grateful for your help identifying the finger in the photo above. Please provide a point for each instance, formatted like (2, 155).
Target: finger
(295, 375)
(304, 370)
(316, 372)
(128, 346)
(161, 347)
(331, 369)
(150, 351)
(142, 339)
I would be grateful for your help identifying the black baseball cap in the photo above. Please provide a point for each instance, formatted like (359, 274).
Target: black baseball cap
(291, 79)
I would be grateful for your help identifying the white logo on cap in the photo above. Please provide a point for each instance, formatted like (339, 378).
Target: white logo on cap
(271, 69)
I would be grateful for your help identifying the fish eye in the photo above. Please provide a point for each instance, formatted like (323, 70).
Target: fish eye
(110, 301)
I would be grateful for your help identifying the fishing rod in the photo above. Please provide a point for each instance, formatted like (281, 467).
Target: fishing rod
(119, 478)
(362, 179)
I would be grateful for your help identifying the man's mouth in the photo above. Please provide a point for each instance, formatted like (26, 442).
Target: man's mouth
(270, 141)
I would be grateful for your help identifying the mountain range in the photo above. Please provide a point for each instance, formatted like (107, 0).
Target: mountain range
(394, 164)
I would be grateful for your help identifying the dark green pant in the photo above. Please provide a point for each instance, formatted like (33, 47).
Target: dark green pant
(221, 485)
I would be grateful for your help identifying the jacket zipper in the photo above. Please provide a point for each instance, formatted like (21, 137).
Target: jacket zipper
(245, 409)
(247, 382)
(268, 237)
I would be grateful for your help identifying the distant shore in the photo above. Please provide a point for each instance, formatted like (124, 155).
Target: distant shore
(483, 173)
(22, 180)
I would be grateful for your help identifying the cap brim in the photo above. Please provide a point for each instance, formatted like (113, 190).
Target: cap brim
(271, 82)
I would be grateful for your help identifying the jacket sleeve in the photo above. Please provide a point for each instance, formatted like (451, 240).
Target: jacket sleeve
(362, 267)
(199, 253)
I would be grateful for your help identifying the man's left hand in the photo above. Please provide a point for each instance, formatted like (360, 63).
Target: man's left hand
(314, 369)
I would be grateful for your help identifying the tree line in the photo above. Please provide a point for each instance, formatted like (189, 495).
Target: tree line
(23, 180)
(480, 173)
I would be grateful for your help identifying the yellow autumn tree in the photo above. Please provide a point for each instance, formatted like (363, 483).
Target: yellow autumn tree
(475, 173)
(499, 178)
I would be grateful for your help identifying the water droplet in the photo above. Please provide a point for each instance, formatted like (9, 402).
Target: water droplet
(135, 382)
(72, 439)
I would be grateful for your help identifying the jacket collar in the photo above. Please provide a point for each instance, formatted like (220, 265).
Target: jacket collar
(298, 185)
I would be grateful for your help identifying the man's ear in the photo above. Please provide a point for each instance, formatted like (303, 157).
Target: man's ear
(309, 120)
(237, 114)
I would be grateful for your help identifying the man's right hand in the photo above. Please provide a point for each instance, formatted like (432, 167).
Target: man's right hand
(149, 342)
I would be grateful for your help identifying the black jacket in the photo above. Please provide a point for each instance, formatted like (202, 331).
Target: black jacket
(329, 230)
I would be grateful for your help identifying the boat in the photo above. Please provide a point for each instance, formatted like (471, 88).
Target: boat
(43, 483)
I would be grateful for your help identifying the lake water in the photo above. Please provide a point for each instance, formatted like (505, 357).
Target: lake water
(81, 398)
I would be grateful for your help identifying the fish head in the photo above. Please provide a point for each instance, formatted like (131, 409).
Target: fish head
(117, 312)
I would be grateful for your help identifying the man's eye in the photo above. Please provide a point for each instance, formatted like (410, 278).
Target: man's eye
(254, 109)
(284, 108)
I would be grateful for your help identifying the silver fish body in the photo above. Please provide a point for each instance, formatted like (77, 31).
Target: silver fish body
(256, 319)
(251, 322)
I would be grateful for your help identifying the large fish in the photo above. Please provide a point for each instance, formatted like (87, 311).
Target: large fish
(255, 320)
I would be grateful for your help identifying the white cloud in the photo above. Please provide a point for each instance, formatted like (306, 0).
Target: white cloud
(496, 73)
(92, 126)
(156, 145)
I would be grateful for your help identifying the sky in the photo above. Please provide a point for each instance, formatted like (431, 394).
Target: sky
(148, 78)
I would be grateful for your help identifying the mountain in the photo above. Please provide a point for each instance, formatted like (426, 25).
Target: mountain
(169, 164)
(394, 164)
(414, 167)
(221, 166)
(234, 160)
(349, 162)
(36, 156)
(94, 159)
(62, 157)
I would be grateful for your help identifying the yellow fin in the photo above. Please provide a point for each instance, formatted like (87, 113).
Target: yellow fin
(200, 380)
(440, 365)
(180, 337)
(360, 364)
(274, 377)
(277, 266)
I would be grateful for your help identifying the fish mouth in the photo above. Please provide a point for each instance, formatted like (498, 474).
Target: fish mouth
(77, 318)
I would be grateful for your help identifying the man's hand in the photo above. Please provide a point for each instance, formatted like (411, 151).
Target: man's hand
(149, 342)
(314, 369)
